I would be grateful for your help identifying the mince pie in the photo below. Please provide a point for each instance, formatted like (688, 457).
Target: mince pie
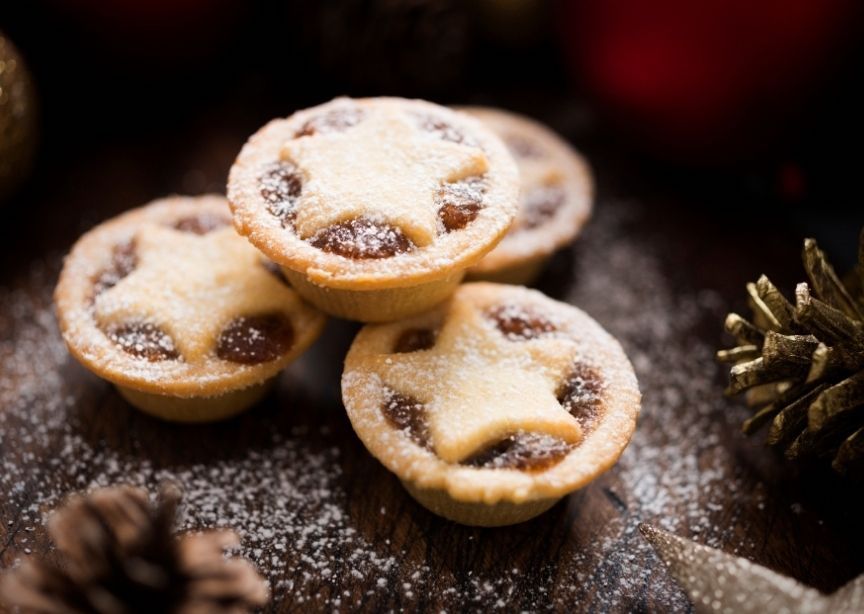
(182, 314)
(374, 207)
(493, 405)
(555, 198)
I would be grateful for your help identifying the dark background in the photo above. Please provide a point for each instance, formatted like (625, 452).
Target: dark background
(747, 111)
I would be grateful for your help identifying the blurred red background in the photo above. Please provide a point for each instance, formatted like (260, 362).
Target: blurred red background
(735, 106)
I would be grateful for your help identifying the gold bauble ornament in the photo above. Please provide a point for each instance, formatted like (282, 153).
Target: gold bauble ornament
(17, 118)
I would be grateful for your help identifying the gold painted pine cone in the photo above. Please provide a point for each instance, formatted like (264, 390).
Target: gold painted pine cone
(801, 366)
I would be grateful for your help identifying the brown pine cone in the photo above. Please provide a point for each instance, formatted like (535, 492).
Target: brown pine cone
(119, 556)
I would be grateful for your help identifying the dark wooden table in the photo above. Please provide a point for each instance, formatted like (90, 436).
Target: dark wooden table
(325, 522)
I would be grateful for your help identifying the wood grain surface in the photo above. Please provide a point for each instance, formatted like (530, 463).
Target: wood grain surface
(658, 273)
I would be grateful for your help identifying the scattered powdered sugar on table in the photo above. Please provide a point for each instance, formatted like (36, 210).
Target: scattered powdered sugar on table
(283, 499)
(676, 473)
(292, 508)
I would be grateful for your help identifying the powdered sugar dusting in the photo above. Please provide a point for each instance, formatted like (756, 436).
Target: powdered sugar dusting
(326, 542)
(683, 415)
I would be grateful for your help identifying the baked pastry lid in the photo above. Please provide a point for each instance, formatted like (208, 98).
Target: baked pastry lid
(92, 347)
(364, 392)
(448, 253)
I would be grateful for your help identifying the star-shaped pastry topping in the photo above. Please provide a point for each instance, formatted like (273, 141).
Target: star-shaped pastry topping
(720, 582)
(478, 386)
(191, 286)
(386, 168)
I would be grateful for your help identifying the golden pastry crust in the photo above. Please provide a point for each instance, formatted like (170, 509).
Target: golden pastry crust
(191, 285)
(483, 379)
(545, 162)
(385, 161)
